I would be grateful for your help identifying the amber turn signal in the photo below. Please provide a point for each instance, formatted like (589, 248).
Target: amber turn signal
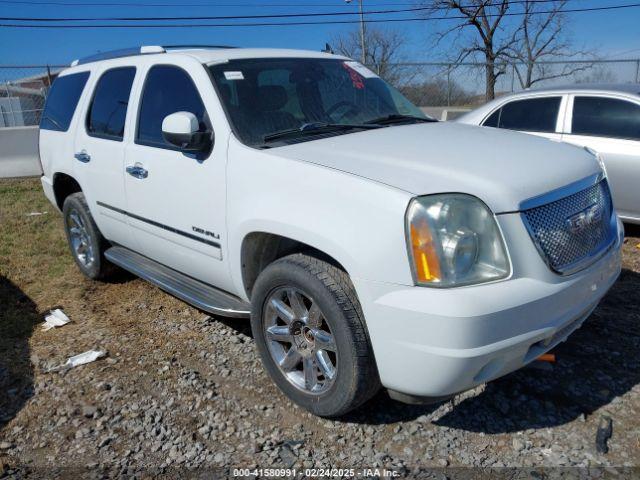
(427, 264)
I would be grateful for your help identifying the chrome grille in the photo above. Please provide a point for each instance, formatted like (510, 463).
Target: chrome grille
(570, 233)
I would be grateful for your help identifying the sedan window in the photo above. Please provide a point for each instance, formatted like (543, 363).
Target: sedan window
(606, 117)
(529, 115)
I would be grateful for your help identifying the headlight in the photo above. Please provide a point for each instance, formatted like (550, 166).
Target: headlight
(454, 240)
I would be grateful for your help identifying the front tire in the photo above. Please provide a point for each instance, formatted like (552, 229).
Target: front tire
(310, 333)
(86, 243)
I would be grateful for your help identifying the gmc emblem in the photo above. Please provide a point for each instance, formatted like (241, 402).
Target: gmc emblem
(581, 220)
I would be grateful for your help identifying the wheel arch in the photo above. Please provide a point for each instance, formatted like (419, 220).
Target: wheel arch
(63, 186)
(261, 248)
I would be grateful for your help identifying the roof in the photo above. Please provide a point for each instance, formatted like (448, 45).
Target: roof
(632, 88)
(210, 56)
(204, 54)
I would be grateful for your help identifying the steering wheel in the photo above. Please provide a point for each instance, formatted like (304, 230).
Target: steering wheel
(352, 108)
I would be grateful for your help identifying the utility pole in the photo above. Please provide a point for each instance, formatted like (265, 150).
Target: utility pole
(363, 55)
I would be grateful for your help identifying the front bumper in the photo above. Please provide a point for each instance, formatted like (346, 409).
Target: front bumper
(437, 342)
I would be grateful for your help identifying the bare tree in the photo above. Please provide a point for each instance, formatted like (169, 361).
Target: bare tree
(540, 38)
(384, 48)
(500, 32)
(484, 19)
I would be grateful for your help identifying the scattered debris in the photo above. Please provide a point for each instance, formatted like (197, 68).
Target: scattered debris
(605, 429)
(81, 359)
(287, 456)
(36, 214)
(56, 318)
(89, 410)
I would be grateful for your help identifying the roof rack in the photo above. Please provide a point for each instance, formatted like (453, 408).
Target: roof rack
(143, 50)
(197, 46)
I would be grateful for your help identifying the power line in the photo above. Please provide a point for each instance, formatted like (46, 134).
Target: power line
(243, 17)
(217, 17)
(221, 5)
(137, 4)
(308, 23)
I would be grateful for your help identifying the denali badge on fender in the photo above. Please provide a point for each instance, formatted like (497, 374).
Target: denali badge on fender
(202, 231)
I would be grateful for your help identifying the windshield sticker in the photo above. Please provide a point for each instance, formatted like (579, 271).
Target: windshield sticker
(233, 75)
(361, 69)
(356, 78)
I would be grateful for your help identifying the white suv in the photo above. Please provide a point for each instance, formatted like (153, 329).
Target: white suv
(369, 244)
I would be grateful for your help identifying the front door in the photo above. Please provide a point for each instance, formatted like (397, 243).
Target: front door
(100, 151)
(176, 200)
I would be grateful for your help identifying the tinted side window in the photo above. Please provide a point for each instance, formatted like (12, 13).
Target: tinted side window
(62, 101)
(108, 109)
(167, 90)
(606, 117)
(531, 115)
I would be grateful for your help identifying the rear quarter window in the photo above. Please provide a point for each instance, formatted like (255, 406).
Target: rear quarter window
(62, 101)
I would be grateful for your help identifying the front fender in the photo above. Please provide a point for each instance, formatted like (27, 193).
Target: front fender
(358, 222)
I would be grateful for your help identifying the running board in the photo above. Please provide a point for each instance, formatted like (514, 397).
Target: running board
(194, 292)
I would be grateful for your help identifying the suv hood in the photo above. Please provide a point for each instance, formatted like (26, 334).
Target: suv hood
(500, 167)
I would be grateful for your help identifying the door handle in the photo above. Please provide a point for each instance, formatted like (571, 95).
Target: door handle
(137, 171)
(83, 156)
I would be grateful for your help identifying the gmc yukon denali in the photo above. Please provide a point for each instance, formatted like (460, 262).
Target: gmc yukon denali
(370, 245)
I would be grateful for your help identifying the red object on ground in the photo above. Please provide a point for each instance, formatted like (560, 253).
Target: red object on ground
(547, 357)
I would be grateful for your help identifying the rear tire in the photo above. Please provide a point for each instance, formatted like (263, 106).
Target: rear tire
(311, 336)
(86, 243)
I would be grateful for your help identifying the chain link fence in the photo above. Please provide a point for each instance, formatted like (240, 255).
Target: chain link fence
(23, 89)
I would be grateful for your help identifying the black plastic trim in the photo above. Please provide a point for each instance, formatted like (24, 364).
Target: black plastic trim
(160, 225)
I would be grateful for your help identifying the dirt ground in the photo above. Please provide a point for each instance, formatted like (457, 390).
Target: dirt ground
(182, 392)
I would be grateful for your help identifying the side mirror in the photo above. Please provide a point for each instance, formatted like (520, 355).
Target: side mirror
(181, 129)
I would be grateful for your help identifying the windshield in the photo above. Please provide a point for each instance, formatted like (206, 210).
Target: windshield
(269, 96)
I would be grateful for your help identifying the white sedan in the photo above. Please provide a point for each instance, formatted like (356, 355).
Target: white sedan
(604, 118)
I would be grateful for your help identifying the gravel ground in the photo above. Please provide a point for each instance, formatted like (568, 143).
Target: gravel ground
(181, 391)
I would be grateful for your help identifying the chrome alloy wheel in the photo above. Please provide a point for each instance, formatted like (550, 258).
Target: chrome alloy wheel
(80, 239)
(300, 340)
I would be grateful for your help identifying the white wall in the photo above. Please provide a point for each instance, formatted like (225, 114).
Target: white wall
(19, 152)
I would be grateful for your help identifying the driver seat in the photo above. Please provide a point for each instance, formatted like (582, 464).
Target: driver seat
(270, 100)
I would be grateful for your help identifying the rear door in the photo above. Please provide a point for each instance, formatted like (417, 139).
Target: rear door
(177, 207)
(540, 116)
(100, 148)
(611, 126)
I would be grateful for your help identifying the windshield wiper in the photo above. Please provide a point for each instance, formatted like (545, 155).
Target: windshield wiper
(398, 117)
(315, 128)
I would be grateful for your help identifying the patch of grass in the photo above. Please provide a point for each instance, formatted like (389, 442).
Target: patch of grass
(30, 246)
(33, 252)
